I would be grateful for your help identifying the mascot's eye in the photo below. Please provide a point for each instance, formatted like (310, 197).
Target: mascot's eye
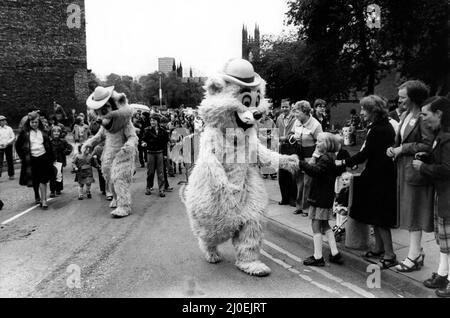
(247, 100)
(258, 100)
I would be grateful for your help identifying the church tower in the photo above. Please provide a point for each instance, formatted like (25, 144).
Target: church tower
(251, 45)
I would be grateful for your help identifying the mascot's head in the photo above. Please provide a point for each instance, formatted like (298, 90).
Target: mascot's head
(234, 97)
(111, 108)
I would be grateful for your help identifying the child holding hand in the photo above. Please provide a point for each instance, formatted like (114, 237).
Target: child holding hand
(82, 164)
(323, 171)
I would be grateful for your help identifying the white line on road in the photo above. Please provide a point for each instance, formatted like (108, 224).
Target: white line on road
(22, 213)
(293, 270)
(324, 273)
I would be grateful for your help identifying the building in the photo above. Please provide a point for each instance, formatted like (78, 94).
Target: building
(251, 46)
(43, 50)
(166, 65)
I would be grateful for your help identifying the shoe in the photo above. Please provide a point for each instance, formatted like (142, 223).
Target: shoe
(298, 211)
(436, 281)
(444, 292)
(371, 254)
(387, 263)
(417, 264)
(103, 193)
(89, 195)
(336, 259)
(305, 214)
(311, 261)
(80, 197)
(283, 203)
(44, 206)
(162, 194)
(1, 204)
(142, 166)
(265, 176)
(52, 195)
(11, 178)
(109, 198)
(37, 201)
(58, 192)
(169, 189)
(273, 177)
(148, 191)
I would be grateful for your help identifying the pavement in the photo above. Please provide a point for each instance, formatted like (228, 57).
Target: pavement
(282, 221)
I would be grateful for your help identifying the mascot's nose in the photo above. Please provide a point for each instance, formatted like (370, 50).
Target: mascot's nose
(257, 115)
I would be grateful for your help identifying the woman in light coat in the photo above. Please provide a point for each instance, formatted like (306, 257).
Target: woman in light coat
(414, 194)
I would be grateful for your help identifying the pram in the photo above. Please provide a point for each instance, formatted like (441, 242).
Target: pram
(339, 231)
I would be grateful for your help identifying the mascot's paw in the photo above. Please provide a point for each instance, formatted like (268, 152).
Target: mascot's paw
(120, 213)
(213, 257)
(113, 204)
(126, 149)
(290, 163)
(255, 268)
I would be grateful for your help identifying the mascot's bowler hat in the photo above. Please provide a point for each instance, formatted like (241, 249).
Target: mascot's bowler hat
(240, 72)
(99, 97)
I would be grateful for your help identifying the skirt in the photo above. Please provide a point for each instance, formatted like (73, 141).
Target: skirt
(442, 233)
(322, 214)
(414, 203)
(41, 169)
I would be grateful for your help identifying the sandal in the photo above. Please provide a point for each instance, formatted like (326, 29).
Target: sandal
(417, 264)
(371, 254)
(387, 263)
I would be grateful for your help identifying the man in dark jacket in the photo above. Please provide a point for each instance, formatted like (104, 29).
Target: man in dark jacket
(155, 139)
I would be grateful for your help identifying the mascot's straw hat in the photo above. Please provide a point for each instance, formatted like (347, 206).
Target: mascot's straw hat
(240, 72)
(99, 97)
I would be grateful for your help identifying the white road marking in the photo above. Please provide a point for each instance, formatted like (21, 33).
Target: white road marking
(22, 213)
(324, 273)
(293, 270)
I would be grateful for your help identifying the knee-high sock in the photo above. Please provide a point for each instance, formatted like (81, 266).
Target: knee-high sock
(332, 242)
(338, 219)
(415, 247)
(317, 245)
(443, 264)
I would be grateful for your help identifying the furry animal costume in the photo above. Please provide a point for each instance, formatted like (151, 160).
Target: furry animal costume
(225, 198)
(119, 153)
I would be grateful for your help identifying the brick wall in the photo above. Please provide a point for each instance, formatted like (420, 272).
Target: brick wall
(42, 59)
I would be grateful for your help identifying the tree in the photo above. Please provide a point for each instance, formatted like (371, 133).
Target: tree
(175, 92)
(281, 64)
(342, 47)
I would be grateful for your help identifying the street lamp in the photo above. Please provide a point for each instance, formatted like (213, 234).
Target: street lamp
(160, 92)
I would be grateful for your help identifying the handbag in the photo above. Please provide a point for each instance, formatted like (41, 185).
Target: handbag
(414, 177)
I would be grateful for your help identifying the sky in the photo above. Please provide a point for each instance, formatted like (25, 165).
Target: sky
(127, 37)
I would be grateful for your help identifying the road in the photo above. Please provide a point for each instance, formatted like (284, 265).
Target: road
(151, 253)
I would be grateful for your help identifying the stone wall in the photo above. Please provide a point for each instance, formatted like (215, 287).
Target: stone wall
(43, 56)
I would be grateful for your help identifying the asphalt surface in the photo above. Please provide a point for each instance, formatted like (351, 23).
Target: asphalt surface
(75, 249)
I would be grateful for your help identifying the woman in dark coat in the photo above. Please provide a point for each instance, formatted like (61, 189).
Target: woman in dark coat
(374, 199)
(436, 115)
(35, 151)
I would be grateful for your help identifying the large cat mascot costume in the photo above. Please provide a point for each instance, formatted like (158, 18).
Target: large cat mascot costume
(119, 152)
(225, 197)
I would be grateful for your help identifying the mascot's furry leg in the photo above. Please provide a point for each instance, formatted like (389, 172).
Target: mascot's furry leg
(121, 175)
(210, 250)
(248, 239)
